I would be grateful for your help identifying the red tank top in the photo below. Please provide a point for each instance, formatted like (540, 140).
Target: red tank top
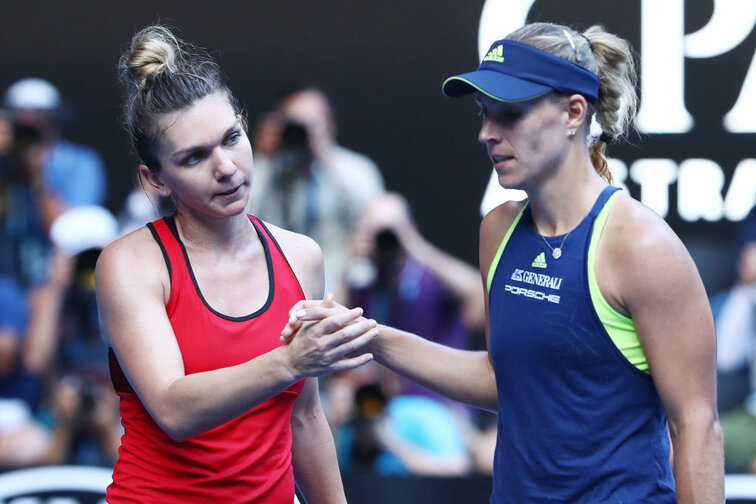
(245, 460)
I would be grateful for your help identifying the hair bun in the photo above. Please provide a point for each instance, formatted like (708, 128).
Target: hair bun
(154, 50)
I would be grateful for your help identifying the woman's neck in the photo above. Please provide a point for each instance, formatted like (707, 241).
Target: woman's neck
(213, 232)
(560, 203)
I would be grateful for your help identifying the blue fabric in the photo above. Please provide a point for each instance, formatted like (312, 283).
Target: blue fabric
(577, 422)
(75, 173)
(521, 73)
(13, 312)
(426, 424)
(417, 421)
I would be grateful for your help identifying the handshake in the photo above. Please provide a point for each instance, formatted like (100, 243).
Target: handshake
(323, 337)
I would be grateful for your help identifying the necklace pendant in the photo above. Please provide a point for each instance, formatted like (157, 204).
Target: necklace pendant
(556, 253)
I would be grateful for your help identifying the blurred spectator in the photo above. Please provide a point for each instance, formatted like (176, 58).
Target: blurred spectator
(23, 441)
(398, 434)
(25, 209)
(401, 279)
(308, 183)
(85, 408)
(73, 173)
(735, 319)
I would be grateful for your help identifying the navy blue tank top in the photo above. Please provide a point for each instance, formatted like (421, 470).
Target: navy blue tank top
(577, 421)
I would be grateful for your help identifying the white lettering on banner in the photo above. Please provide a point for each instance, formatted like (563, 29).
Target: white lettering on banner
(533, 294)
(741, 195)
(699, 187)
(699, 190)
(664, 48)
(662, 72)
(538, 279)
(741, 118)
(654, 177)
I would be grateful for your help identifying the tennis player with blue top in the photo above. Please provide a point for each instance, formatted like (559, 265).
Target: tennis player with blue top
(601, 344)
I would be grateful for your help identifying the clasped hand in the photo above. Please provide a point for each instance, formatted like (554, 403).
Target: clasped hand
(322, 337)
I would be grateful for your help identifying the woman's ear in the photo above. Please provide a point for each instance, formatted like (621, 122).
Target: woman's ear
(577, 108)
(152, 181)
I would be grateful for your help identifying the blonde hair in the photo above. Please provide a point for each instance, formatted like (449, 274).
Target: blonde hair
(608, 56)
(160, 74)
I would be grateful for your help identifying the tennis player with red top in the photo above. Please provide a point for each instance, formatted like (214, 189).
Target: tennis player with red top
(214, 408)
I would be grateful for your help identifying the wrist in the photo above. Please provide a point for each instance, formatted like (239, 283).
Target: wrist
(284, 364)
(377, 345)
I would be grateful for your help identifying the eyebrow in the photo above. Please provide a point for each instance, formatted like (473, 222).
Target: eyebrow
(194, 148)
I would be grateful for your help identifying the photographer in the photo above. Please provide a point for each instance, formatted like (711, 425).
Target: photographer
(306, 182)
(403, 280)
(73, 173)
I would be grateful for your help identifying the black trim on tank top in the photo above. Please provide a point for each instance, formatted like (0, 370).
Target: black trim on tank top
(117, 376)
(271, 280)
(281, 251)
(167, 259)
(274, 242)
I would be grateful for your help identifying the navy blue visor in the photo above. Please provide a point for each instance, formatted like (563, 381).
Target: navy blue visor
(515, 72)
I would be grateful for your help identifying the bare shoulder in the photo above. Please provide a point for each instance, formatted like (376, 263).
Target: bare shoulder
(304, 256)
(137, 252)
(637, 234)
(132, 262)
(639, 257)
(493, 227)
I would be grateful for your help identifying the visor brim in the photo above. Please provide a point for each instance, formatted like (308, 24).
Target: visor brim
(495, 85)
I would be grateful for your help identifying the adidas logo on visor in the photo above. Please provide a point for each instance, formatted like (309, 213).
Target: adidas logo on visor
(495, 54)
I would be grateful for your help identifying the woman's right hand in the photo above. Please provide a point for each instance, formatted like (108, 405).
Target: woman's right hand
(326, 341)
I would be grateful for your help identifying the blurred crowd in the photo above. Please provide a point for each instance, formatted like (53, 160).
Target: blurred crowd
(57, 405)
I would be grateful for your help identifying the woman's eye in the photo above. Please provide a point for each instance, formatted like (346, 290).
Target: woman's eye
(231, 140)
(193, 158)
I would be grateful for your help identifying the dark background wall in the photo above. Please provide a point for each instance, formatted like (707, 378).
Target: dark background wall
(383, 62)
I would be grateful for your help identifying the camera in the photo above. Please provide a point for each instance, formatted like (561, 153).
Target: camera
(88, 396)
(294, 136)
(25, 136)
(294, 156)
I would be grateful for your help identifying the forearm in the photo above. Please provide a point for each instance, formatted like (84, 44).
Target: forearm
(316, 468)
(458, 276)
(198, 402)
(60, 443)
(462, 375)
(698, 462)
(46, 306)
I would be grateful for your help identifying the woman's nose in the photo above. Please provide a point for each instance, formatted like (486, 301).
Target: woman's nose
(224, 166)
(488, 132)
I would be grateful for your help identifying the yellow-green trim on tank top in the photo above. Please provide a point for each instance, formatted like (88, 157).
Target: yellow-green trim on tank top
(620, 328)
(503, 244)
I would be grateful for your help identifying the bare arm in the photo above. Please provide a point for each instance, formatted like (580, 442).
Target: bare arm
(316, 469)
(462, 375)
(132, 303)
(46, 305)
(656, 282)
(465, 376)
